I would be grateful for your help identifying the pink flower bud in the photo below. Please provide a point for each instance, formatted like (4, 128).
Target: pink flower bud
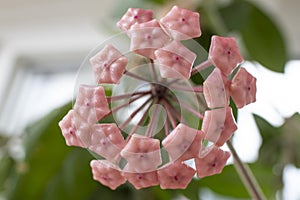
(140, 180)
(216, 89)
(175, 60)
(183, 143)
(134, 16)
(107, 141)
(147, 37)
(175, 175)
(91, 103)
(75, 131)
(218, 125)
(142, 153)
(224, 54)
(243, 88)
(107, 173)
(108, 65)
(182, 24)
(211, 161)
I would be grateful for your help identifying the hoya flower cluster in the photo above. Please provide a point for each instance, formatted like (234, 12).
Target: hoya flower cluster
(161, 118)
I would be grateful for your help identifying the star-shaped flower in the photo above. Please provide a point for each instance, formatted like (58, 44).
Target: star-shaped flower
(216, 89)
(224, 54)
(181, 23)
(175, 175)
(107, 141)
(91, 103)
(140, 180)
(108, 65)
(107, 173)
(142, 153)
(147, 37)
(134, 16)
(183, 143)
(243, 88)
(75, 131)
(175, 60)
(218, 125)
(211, 162)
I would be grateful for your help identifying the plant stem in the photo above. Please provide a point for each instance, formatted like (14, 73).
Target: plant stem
(201, 66)
(133, 75)
(246, 175)
(124, 96)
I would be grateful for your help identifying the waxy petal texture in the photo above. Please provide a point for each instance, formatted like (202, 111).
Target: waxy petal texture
(175, 175)
(183, 143)
(211, 162)
(181, 23)
(91, 103)
(147, 37)
(142, 153)
(134, 16)
(108, 65)
(243, 88)
(175, 60)
(140, 180)
(224, 54)
(218, 125)
(107, 141)
(216, 89)
(75, 131)
(107, 173)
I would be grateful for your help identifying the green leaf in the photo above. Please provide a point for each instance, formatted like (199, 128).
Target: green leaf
(262, 38)
(228, 183)
(52, 169)
(290, 140)
(270, 150)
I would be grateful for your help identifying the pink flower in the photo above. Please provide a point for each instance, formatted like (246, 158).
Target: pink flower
(243, 88)
(140, 180)
(75, 131)
(175, 60)
(175, 175)
(107, 141)
(183, 143)
(107, 173)
(147, 37)
(134, 16)
(216, 89)
(108, 65)
(211, 161)
(142, 153)
(91, 103)
(181, 23)
(224, 54)
(218, 125)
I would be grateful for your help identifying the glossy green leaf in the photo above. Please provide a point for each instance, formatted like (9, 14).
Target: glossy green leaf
(262, 38)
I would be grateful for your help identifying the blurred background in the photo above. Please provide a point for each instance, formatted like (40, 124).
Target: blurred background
(42, 45)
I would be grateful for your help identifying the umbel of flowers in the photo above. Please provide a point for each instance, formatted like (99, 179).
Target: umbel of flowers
(159, 155)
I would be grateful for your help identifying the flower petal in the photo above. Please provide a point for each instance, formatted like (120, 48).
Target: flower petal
(224, 53)
(218, 125)
(243, 88)
(216, 89)
(175, 175)
(212, 161)
(134, 16)
(142, 153)
(147, 37)
(108, 65)
(107, 173)
(182, 24)
(175, 60)
(91, 103)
